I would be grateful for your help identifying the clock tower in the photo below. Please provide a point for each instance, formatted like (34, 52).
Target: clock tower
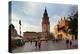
(45, 24)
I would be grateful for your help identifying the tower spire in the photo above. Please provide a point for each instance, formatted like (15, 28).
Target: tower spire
(45, 24)
(45, 12)
(20, 26)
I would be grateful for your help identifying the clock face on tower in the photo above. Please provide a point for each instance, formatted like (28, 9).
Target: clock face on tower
(44, 28)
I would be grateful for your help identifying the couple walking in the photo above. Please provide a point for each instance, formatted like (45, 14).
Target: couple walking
(68, 43)
(38, 44)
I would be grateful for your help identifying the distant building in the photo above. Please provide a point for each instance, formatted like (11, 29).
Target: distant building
(45, 24)
(63, 24)
(29, 35)
(45, 29)
(13, 31)
(33, 35)
(13, 36)
(41, 35)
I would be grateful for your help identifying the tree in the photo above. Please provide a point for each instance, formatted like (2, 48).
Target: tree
(73, 24)
(72, 27)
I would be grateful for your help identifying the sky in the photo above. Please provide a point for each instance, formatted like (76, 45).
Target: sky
(31, 13)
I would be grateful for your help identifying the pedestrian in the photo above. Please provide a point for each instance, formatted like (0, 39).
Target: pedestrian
(67, 42)
(39, 45)
(36, 44)
(70, 43)
(31, 42)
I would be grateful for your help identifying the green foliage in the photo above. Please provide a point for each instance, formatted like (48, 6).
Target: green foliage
(73, 24)
(20, 42)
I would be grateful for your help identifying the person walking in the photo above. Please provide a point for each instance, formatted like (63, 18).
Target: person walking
(39, 45)
(67, 42)
(31, 42)
(36, 44)
(70, 43)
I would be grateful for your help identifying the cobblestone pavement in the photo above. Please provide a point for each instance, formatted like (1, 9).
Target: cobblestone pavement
(46, 46)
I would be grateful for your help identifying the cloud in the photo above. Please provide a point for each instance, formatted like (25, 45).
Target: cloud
(29, 27)
(25, 25)
(31, 13)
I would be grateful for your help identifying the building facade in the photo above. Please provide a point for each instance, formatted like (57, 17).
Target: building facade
(29, 35)
(61, 30)
(45, 24)
(13, 36)
(45, 29)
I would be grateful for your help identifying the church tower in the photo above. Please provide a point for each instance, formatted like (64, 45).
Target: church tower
(45, 23)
